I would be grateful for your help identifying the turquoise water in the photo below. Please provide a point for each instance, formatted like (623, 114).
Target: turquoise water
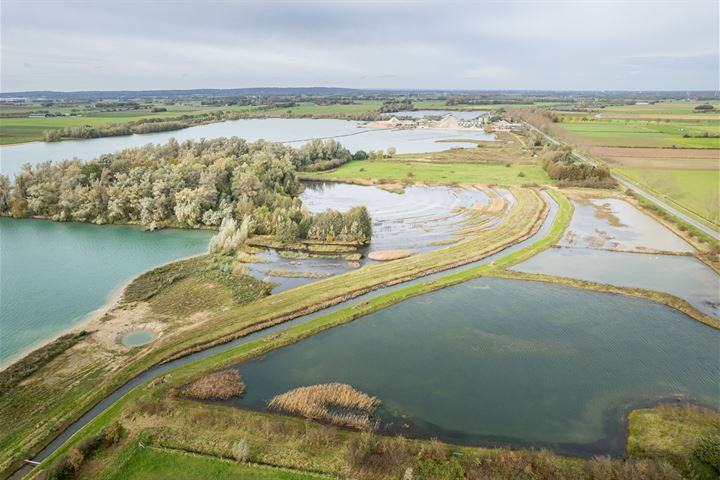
(52, 275)
(506, 362)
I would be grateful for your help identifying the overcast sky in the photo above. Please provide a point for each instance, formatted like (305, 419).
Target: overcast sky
(146, 44)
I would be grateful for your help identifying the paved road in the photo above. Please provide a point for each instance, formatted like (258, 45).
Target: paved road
(700, 226)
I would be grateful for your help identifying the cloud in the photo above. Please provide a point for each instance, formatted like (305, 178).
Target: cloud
(556, 44)
(488, 73)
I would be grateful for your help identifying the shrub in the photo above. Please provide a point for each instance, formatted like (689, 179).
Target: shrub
(336, 403)
(241, 451)
(217, 386)
(707, 451)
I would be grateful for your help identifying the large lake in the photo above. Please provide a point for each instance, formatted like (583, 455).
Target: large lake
(291, 131)
(506, 362)
(55, 274)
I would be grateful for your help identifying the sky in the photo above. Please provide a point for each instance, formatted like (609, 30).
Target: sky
(485, 45)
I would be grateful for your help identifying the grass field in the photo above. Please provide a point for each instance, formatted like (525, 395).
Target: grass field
(399, 171)
(154, 464)
(310, 108)
(25, 129)
(695, 190)
(662, 108)
(441, 105)
(642, 133)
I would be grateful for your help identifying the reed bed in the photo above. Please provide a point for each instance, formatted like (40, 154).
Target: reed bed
(217, 386)
(335, 403)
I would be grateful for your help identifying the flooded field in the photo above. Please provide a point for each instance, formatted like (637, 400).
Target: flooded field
(505, 362)
(600, 225)
(418, 220)
(615, 224)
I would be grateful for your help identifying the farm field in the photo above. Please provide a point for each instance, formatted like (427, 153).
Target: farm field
(24, 129)
(668, 158)
(311, 108)
(442, 105)
(694, 190)
(663, 109)
(642, 133)
(513, 174)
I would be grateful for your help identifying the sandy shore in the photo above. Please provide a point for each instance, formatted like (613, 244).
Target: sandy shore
(92, 320)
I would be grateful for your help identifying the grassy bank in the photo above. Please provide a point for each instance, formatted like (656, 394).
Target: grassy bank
(438, 173)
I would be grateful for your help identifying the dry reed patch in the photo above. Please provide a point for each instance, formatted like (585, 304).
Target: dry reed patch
(334, 403)
(217, 386)
(386, 255)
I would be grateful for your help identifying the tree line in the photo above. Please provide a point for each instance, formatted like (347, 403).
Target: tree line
(193, 184)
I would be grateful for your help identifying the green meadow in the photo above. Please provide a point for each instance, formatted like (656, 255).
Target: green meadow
(694, 190)
(643, 133)
(398, 171)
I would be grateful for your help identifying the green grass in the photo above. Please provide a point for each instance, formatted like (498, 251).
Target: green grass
(25, 129)
(662, 108)
(441, 105)
(439, 173)
(153, 464)
(310, 108)
(672, 432)
(643, 133)
(694, 190)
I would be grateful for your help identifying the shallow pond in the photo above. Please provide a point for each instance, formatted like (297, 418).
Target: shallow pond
(495, 361)
(55, 274)
(137, 338)
(292, 131)
(600, 224)
(614, 223)
(682, 276)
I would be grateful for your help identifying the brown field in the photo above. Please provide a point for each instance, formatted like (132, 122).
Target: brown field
(665, 158)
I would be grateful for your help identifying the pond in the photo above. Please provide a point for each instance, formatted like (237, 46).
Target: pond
(601, 224)
(137, 338)
(503, 362)
(291, 131)
(56, 274)
(684, 277)
(615, 224)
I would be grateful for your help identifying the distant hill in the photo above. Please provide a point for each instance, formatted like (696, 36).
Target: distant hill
(497, 95)
(200, 92)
